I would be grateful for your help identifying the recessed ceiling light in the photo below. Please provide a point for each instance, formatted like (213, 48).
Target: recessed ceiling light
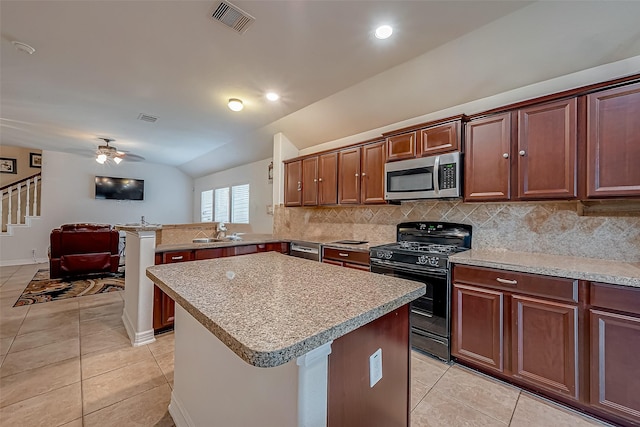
(235, 104)
(384, 31)
(272, 96)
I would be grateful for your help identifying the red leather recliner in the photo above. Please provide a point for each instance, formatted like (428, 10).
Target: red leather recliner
(78, 249)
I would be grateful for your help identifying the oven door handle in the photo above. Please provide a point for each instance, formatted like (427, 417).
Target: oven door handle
(438, 272)
(421, 313)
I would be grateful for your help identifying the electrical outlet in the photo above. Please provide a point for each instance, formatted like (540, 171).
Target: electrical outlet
(375, 367)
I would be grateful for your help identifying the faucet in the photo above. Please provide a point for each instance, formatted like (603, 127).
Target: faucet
(221, 230)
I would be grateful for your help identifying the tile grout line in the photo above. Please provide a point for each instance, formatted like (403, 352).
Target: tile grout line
(514, 407)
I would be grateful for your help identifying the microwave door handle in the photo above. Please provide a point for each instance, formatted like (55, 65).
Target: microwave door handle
(436, 175)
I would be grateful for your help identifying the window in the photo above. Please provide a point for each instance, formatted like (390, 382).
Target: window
(230, 204)
(206, 206)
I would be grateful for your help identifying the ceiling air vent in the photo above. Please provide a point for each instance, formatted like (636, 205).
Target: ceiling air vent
(147, 118)
(232, 16)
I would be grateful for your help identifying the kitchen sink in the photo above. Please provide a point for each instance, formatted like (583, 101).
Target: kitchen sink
(207, 240)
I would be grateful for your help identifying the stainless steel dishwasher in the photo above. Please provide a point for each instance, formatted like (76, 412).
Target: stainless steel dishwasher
(307, 250)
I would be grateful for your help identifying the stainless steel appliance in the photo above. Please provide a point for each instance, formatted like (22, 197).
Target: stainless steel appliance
(423, 178)
(307, 250)
(421, 254)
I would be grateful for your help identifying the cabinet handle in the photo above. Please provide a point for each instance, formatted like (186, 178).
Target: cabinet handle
(507, 281)
(522, 153)
(319, 179)
(315, 180)
(299, 186)
(357, 175)
(505, 155)
(176, 258)
(342, 254)
(364, 174)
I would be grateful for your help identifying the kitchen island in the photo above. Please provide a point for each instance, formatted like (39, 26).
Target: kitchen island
(254, 332)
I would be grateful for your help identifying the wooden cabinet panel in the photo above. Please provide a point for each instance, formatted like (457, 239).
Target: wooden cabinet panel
(328, 179)
(615, 368)
(613, 142)
(614, 297)
(439, 139)
(349, 176)
(310, 181)
(372, 187)
(177, 256)
(293, 183)
(544, 344)
(346, 255)
(487, 164)
(402, 146)
(351, 401)
(282, 247)
(546, 151)
(477, 326)
(211, 253)
(163, 310)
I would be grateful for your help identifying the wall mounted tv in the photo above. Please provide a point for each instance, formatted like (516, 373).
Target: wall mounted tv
(112, 188)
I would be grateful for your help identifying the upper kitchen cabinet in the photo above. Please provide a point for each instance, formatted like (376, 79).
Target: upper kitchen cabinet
(487, 163)
(349, 172)
(310, 181)
(293, 183)
(613, 142)
(372, 166)
(439, 139)
(328, 179)
(546, 151)
(423, 140)
(402, 146)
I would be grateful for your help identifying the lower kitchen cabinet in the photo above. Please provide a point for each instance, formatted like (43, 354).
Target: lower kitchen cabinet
(357, 260)
(164, 310)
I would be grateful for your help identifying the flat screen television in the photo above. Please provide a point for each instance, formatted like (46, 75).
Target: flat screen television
(111, 188)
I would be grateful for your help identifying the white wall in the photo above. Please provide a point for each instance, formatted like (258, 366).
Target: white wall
(260, 192)
(68, 196)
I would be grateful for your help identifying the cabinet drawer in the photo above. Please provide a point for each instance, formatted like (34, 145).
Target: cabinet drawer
(355, 257)
(523, 283)
(211, 253)
(615, 297)
(176, 256)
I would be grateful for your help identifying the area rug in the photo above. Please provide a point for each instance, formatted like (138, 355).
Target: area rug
(43, 289)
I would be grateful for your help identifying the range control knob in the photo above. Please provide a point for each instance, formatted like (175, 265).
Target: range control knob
(384, 254)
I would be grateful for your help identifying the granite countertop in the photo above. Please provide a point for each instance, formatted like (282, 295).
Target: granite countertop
(270, 308)
(592, 269)
(138, 227)
(247, 239)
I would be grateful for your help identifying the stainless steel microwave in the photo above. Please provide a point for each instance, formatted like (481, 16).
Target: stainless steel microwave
(423, 178)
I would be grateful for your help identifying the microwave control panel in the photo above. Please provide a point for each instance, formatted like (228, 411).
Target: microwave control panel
(448, 176)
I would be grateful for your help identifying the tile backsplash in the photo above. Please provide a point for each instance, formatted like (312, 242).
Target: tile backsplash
(552, 228)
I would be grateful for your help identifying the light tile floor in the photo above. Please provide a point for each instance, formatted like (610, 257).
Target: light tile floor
(70, 363)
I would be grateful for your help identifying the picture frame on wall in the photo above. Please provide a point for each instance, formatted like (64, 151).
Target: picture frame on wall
(35, 160)
(8, 165)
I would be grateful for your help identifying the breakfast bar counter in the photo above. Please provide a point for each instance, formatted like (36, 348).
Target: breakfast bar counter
(237, 316)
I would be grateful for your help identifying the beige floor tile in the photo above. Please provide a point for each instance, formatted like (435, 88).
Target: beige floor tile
(13, 285)
(43, 321)
(116, 337)
(166, 363)
(532, 411)
(484, 394)
(50, 409)
(39, 356)
(101, 324)
(100, 299)
(51, 307)
(440, 410)
(418, 392)
(8, 311)
(114, 386)
(145, 409)
(45, 337)
(9, 328)
(106, 360)
(74, 423)
(34, 382)
(426, 369)
(113, 308)
(164, 343)
(5, 344)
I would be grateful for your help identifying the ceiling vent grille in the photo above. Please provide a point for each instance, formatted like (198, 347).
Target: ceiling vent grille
(232, 16)
(147, 118)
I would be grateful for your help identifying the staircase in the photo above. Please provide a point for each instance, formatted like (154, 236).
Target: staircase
(20, 203)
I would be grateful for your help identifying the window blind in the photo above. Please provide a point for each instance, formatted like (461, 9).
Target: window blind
(221, 205)
(206, 206)
(240, 204)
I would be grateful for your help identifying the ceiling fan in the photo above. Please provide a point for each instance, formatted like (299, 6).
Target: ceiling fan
(108, 152)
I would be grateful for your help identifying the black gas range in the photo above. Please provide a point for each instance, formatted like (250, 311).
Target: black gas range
(421, 254)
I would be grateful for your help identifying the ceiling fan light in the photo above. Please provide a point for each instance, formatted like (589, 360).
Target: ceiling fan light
(101, 158)
(235, 104)
(117, 160)
(383, 32)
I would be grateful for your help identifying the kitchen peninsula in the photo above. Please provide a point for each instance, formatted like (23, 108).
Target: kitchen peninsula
(268, 339)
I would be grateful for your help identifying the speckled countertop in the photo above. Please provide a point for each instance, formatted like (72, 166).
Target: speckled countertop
(270, 308)
(597, 270)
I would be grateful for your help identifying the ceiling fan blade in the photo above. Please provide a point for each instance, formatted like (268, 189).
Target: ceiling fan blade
(132, 157)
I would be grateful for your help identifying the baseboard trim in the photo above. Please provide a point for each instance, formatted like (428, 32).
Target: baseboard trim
(24, 261)
(176, 410)
(137, 338)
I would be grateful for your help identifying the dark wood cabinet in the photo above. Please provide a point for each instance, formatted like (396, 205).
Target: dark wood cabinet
(349, 258)
(547, 151)
(402, 146)
(439, 139)
(349, 173)
(293, 183)
(613, 142)
(372, 185)
(487, 164)
(310, 181)
(426, 139)
(328, 179)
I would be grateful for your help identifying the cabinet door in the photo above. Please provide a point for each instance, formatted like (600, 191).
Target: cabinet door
(487, 161)
(477, 326)
(613, 142)
(402, 146)
(439, 139)
(547, 145)
(176, 256)
(328, 179)
(293, 183)
(615, 367)
(349, 176)
(373, 173)
(544, 344)
(310, 181)
(163, 310)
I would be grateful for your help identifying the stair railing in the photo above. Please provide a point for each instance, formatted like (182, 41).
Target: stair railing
(19, 195)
